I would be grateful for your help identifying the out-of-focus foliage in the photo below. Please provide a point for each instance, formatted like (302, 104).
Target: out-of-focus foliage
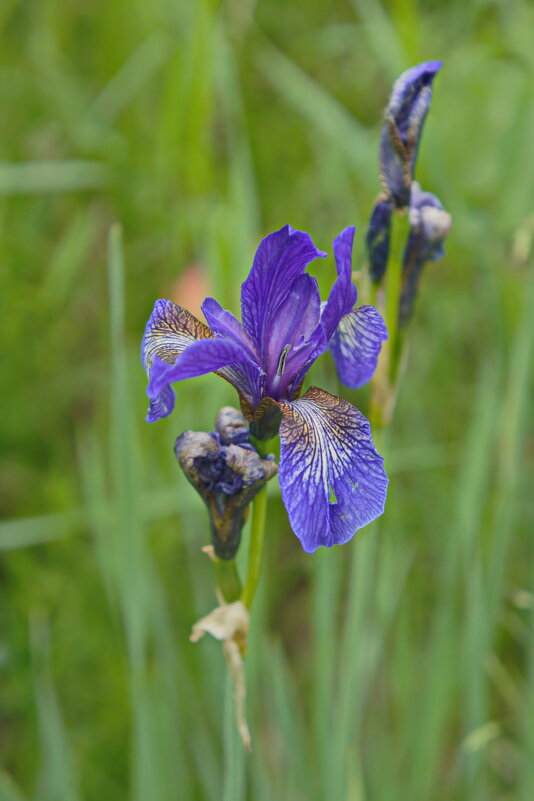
(404, 660)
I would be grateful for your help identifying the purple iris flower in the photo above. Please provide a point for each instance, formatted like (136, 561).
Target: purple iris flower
(332, 479)
(403, 125)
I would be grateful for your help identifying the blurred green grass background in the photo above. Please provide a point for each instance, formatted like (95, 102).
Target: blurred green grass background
(400, 666)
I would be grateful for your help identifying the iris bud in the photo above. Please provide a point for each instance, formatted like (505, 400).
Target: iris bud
(227, 472)
(430, 224)
(403, 125)
(378, 237)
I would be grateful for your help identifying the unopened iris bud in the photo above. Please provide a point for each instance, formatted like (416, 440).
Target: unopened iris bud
(227, 472)
(232, 427)
(430, 224)
(377, 238)
(403, 125)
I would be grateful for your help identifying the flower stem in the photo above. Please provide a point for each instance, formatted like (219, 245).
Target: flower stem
(259, 510)
(227, 578)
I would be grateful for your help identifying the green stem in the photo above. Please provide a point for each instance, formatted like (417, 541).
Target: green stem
(384, 381)
(259, 510)
(227, 578)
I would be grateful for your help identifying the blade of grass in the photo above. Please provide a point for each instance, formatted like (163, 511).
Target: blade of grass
(323, 112)
(57, 779)
(432, 714)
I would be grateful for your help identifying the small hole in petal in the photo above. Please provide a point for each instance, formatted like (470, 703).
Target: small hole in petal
(332, 498)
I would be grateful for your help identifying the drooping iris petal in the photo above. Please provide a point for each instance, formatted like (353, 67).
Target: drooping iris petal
(403, 125)
(356, 344)
(281, 257)
(327, 450)
(169, 331)
(161, 406)
(177, 346)
(343, 294)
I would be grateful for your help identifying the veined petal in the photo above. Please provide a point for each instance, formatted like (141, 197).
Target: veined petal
(356, 344)
(343, 294)
(176, 346)
(169, 331)
(281, 257)
(326, 448)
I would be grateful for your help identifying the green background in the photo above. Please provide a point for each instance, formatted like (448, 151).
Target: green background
(400, 666)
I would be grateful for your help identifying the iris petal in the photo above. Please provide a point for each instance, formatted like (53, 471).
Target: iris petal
(161, 406)
(227, 325)
(343, 294)
(326, 448)
(300, 360)
(356, 344)
(177, 346)
(223, 322)
(169, 331)
(289, 345)
(205, 356)
(281, 257)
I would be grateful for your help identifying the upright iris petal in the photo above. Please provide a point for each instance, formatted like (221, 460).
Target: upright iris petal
(280, 258)
(403, 125)
(343, 294)
(356, 334)
(292, 339)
